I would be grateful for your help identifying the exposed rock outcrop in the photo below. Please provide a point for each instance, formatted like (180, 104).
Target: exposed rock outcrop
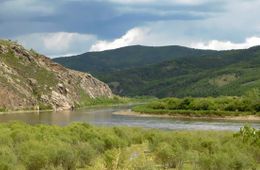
(29, 81)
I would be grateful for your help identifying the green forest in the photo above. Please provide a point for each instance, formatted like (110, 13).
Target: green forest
(172, 71)
(82, 146)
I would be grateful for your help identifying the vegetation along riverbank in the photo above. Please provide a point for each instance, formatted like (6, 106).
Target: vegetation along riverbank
(205, 107)
(81, 146)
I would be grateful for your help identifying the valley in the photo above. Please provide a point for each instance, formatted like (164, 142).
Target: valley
(66, 119)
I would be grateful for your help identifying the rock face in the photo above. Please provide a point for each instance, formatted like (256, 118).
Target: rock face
(31, 81)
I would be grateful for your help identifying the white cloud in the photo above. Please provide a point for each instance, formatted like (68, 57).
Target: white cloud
(66, 44)
(226, 45)
(132, 37)
(58, 43)
(154, 37)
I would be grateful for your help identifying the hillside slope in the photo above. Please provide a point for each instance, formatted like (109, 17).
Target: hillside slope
(128, 57)
(190, 73)
(31, 81)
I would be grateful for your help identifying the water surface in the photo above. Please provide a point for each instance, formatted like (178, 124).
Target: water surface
(105, 117)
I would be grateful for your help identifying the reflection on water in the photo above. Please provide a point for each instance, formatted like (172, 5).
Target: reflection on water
(105, 117)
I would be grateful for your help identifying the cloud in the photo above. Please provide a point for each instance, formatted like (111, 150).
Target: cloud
(226, 45)
(132, 37)
(166, 2)
(148, 36)
(66, 44)
(104, 18)
(58, 43)
(13, 10)
(61, 27)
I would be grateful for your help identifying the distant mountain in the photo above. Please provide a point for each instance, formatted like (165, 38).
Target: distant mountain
(29, 80)
(172, 70)
(128, 57)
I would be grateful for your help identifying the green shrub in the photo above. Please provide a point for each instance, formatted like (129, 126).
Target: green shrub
(81, 146)
(112, 158)
(169, 156)
(220, 106)
(65, 157)
(35, 160)
(8, 159)
(86, 153)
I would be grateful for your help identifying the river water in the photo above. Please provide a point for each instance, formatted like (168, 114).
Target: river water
(105, 117)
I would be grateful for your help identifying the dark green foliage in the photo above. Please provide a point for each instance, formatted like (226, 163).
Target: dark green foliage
(220, 106)
(43, 106)
(127, 57)
(2, 109)
(172, 71)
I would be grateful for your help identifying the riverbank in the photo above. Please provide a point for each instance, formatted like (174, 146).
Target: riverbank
(129, 112)
(24, 111)
(244, 108)
(93, 103)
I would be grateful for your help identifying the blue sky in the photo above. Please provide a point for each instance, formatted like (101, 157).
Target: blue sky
(66, 27)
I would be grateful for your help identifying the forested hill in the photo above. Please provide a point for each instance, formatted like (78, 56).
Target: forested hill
(128, 57)
(173, 70)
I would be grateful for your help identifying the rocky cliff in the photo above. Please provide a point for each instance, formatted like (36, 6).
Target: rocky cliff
(29, 80)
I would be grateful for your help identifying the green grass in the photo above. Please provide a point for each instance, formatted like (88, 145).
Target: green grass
(81, 146)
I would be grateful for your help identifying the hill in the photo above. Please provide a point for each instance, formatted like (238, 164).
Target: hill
(29, 80)
(173, 70)
(127, 57)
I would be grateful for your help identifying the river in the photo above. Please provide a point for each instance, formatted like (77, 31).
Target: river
(105, 117)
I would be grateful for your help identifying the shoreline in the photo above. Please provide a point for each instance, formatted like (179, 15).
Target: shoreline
(129, 112)
(24, 111)
(79, 108)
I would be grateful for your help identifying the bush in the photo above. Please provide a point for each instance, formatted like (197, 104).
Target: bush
(65, 157)
(157, 105)
(35, 160)
(185, 104)
(112, 158)
(86, 153)
(169, 156)
(220, 106)
(8, 159)
(80, 146)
